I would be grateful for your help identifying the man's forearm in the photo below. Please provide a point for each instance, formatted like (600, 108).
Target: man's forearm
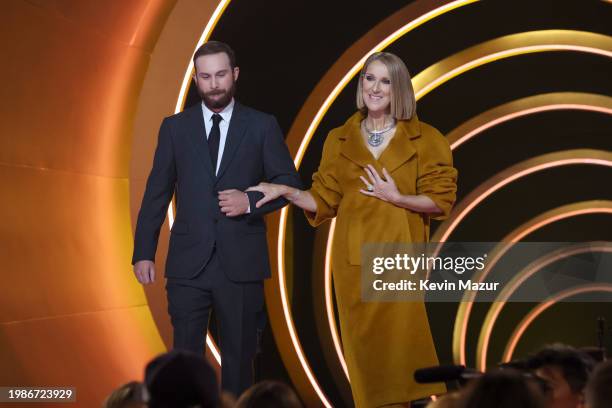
(269, 207)
(287, 180)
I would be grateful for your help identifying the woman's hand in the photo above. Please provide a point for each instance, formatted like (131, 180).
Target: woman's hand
(384, 189)
(269, 190)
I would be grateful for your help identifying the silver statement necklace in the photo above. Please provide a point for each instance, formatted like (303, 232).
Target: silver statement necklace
(377, 137)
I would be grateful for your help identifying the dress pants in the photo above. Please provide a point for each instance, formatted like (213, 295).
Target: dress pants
(240, 319)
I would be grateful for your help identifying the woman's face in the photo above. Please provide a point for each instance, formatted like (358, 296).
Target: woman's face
(376, 88)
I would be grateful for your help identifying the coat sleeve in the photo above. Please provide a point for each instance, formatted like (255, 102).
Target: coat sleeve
(157, 196)
(278, 168)
(437, 178)
(326, 189)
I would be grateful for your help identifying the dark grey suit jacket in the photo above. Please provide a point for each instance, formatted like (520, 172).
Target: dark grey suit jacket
(254, 152)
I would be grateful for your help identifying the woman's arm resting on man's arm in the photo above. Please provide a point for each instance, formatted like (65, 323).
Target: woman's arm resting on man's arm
(302, 199)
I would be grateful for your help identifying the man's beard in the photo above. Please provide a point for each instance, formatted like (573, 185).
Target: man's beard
(219, 102)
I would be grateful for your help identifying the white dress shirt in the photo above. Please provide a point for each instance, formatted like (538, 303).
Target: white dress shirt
(226, 114)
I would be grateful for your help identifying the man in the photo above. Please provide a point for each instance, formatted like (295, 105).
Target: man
(218, 257)
(566, 371)
(599, 388)
(181, 379)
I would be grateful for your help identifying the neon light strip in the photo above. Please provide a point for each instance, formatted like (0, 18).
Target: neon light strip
(506, 112)
(519, 279)
(505, 54)
(526, 112)
(538, 310)
(546, 103)
(520, 170)
(180, 103)
(287, 309)
(329, 304)
(465, 308)
(495, 183)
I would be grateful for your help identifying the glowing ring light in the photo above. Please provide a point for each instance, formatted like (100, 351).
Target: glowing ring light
(563, 212)
(520, 278)
(547, 161)
(538, 310)
(465, 307)
(503, 113)
(528, 106)
(510, 46)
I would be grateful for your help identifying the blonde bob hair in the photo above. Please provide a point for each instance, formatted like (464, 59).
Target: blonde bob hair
(403, 101)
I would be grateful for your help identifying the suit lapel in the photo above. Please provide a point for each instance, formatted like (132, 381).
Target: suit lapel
(197, 134)
(235, 135)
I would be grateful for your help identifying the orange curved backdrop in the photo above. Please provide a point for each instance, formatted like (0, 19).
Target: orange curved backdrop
(78, 80)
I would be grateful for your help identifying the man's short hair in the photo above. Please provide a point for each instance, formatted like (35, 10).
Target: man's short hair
(126, 396)
(502, 388)
(269, 394)
(181, 379)
(575, 366)
(599, 389)
(215, 47)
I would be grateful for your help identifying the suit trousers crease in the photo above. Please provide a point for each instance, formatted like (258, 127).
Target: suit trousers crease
(239, 311)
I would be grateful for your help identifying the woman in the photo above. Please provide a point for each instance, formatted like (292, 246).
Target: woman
(384, 175)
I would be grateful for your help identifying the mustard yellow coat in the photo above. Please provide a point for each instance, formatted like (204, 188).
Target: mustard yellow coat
(383, 342)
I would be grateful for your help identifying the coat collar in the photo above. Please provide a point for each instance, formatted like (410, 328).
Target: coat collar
(400, 148)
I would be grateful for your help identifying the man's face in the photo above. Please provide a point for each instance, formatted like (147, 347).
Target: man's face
(561, 394)
(215, 80)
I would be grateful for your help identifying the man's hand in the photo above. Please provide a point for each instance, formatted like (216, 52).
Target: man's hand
(145, 271)
(233, 202)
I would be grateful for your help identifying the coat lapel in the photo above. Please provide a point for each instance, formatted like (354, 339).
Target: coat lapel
(197, 134)
(401, 147)
(353, 147)
(399, 150)
(235, 135)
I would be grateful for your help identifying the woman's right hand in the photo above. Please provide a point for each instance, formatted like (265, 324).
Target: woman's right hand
(270, 192)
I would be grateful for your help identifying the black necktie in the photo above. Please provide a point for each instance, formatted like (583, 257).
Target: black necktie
(213, 140)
